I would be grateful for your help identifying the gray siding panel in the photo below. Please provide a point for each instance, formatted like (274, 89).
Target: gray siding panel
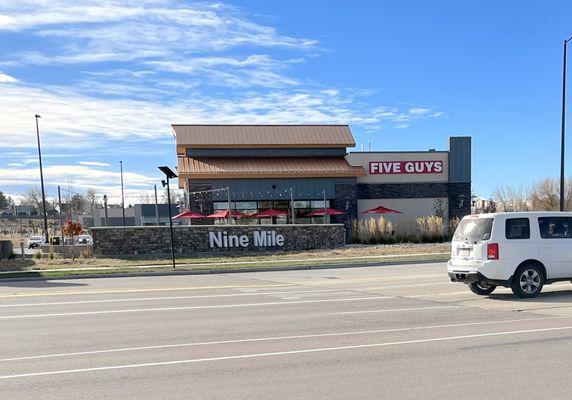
(460, 159)
(274, 189)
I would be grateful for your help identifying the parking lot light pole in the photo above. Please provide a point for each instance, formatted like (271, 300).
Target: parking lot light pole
(42, 181)
(61, 221)
(122, 195)
(169, 174)
(563, 127)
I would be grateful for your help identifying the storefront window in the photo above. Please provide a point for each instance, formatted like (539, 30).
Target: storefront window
(245, 205)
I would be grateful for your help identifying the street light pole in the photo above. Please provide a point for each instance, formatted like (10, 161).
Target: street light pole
(563, 127)
(122, 196)
(42, 181)
(169, 174)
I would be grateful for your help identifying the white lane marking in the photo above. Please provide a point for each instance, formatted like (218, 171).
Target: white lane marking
(394, 310)
(208, 296)
(284, 353)
(159, 289)
(136, 310)
(405, 286)
(440, 294)
(275, 338)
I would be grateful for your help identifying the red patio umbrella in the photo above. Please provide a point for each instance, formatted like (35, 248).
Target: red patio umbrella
(321, 212)
(271, 212)
(224, 214)
(381, 210)
(190, 215)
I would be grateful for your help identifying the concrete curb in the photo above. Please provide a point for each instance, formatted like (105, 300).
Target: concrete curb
(221, 271)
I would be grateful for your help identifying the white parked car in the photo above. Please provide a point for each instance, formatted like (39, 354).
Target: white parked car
(520, 250)
(36, 241)
(83, 239)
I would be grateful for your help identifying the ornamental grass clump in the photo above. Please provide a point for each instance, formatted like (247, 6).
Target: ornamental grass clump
(372, 231)
(431, 229)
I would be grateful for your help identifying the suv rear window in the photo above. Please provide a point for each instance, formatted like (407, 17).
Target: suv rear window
(517, 228)
(474, 230)
(555, 227)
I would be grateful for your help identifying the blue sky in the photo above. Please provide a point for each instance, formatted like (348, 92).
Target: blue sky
(109, 78)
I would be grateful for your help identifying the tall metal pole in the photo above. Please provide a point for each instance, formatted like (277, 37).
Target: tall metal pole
(171, 222)
(228, 204)
(563, 130)
(61, 222)
(325, 209)
(156, 207)
(122, 195)
(105, 210)
(42, 181)
(292, 205)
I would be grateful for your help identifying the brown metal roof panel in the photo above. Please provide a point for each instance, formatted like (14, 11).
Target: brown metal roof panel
(267, 167)
(263, 135)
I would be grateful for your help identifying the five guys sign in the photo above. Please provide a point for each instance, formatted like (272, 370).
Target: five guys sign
(405, 167)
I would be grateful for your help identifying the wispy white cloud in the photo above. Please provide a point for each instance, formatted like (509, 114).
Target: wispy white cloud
(4, 78)
(94, 164)
(84, 177)
(68, 115)
(102, 31)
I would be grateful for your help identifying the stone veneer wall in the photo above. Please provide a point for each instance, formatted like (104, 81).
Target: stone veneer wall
(193, 239)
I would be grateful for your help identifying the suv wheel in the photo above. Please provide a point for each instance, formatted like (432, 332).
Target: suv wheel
(528, 281)
(481, 289)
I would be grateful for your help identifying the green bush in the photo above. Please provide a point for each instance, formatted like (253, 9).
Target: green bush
(38, 254)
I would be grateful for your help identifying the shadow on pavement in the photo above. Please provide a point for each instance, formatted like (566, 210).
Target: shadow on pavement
(556, 296)
(37, 283)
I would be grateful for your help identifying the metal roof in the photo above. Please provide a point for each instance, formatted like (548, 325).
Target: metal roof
(263, 135)
(284, 167)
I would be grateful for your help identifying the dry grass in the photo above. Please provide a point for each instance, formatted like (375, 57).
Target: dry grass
(348, 252)
(372, 231)
(431, 228)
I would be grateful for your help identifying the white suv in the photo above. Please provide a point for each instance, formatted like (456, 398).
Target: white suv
(520, 250)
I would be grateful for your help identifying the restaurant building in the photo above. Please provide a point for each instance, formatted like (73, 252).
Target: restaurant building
(303, 168)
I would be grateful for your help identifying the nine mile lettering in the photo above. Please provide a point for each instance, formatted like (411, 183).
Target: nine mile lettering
(258, 239)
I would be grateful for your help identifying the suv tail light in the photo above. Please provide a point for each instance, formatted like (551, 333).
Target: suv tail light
(493, 251)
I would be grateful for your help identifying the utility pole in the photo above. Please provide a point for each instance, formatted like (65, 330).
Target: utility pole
(122, 195)
(61, 221)
(563, 128)
(156, 207)
(42, 181)
(104, 210)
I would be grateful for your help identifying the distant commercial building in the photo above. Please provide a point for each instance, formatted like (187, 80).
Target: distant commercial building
(279, 166)
(136, 215)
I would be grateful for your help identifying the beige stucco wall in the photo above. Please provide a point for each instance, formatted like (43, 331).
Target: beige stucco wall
(364, 158)
(411, 210)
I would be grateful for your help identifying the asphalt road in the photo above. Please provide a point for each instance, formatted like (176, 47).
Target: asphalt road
(399, 332)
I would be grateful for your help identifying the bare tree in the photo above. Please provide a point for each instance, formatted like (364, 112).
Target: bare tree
(508, 198)
(91, 198)
(33, 199)
(145, 197)
(544, 195)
